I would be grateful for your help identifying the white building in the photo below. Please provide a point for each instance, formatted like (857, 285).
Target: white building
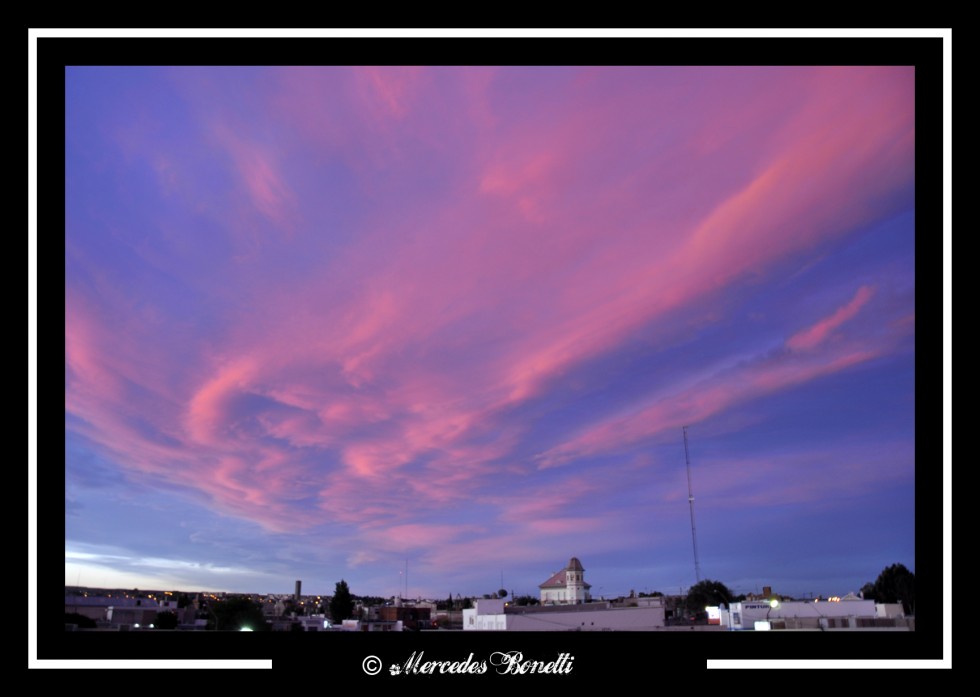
(566, 587)
(847, 613)
(498, 615)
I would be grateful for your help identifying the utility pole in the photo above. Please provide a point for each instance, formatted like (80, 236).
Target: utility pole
(690, 501)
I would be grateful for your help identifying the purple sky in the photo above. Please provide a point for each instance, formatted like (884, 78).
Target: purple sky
(323, 321)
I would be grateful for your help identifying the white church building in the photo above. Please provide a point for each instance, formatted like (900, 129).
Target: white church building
(566, 587)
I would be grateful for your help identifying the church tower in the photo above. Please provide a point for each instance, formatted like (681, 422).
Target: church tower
(575, 581)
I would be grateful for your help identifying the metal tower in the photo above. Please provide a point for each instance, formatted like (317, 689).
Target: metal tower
(690, 501)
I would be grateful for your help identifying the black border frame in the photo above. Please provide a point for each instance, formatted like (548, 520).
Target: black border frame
(597, 655)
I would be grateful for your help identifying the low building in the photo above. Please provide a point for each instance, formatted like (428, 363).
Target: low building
(116, 612)
(498, 615)
(411, 618)
(849, 612)
(371, 626)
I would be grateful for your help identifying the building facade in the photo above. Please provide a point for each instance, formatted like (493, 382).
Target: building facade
(848, 613)
(500, 616)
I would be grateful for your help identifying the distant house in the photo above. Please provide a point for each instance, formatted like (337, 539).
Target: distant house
(566, 587)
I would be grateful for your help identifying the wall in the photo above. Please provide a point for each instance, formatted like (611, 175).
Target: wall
(585, 620)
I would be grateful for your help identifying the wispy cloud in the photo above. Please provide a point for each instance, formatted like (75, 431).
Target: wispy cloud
(812, 336)
(260, 174)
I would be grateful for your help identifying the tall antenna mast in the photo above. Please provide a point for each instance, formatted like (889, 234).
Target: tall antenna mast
(690, 501)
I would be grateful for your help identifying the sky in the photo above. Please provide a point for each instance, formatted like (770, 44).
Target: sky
(437, 330)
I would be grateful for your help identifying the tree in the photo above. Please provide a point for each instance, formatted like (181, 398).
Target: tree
(236, 612)
(341, 604)
(502, 593)
(522, 600)
(166, 620)
(896, 584)
(705, 593)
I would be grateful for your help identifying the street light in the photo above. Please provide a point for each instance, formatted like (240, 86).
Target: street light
(773, 604)
(763, 625)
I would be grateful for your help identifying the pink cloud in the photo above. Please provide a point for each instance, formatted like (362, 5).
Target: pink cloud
(394, 88)
(672, 409)
(373, 459)
(418, 536)
(207, 409)
(268, 191)
(525, 181)
(807, 339)
(744, 235)
(546, 502)
(266, 186)
(194, 448)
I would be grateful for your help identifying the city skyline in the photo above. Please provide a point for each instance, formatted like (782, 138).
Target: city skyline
(319, 322)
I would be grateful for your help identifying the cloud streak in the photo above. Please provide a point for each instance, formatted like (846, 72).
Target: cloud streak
(813, 336)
